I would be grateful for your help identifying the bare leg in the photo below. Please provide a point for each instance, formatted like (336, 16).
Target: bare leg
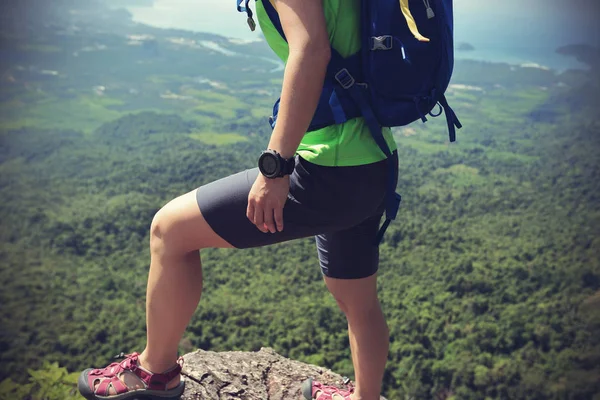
(367, 330)
(172, 297)
(175, 279)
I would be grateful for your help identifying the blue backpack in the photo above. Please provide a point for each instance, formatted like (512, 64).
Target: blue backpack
(399, 76)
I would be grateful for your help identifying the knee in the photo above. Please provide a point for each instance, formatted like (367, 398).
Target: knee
(357, 306)
(342, 306)
(163, 231)
(357, 298)
(367, 315)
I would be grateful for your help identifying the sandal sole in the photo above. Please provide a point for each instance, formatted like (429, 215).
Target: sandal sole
(307, 389)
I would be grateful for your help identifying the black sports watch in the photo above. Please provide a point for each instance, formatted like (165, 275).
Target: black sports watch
(272, 165)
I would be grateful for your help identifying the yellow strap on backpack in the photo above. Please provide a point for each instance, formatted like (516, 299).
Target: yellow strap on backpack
(412, 25)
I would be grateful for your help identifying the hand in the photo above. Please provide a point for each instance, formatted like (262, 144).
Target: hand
(265, 203)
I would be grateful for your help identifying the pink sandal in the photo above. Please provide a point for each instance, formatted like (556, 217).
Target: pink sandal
(310, 389)
(137, 382)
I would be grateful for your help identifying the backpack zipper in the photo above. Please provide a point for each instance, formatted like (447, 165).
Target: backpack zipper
(428, 9)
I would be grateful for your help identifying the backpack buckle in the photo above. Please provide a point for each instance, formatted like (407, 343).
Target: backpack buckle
(344, 78)
(385, 42)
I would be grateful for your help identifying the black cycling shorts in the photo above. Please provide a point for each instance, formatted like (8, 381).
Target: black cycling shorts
(341, 206)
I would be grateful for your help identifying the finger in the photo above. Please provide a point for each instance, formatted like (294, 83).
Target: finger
(279, 218)
(259, 219)
(269, 220)
(250, 211)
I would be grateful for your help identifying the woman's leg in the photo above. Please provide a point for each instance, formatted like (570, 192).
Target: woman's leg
(367, 330)
(175, 281)
(177, 234)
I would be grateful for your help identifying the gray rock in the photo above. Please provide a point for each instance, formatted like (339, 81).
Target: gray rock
(262, 375)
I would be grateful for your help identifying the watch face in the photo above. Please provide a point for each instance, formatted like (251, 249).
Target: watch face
(269, 164)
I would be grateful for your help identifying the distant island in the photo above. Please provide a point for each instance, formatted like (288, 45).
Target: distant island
(584, 53)
(464, 46)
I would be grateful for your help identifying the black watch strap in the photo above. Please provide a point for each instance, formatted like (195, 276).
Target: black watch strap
(288, 165)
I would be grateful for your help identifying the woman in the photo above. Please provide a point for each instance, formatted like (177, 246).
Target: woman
(306, 185)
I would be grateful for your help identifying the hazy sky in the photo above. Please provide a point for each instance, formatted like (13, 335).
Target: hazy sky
(555, 21)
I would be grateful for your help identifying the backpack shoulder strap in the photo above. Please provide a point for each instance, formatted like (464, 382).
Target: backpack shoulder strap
(340, 74)
(273, 16)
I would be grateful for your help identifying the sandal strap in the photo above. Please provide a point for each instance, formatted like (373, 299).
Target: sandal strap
(160, 381)
(103, 387)
(119, 386)
(329, 391)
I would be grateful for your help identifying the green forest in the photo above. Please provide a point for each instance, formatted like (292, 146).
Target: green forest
(489, 278)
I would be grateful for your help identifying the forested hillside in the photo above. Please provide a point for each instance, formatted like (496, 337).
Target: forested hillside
(490, 277)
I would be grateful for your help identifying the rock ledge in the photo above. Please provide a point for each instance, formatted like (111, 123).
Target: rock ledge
(261, 375)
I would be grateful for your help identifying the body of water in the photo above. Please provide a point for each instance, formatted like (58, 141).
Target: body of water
(529, 55)
(517, 37)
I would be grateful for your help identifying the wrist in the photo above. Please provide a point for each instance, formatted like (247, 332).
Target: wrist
(282, 151)
(284, 144)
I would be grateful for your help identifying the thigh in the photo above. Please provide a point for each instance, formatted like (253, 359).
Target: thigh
(224, 203)
(181, 225)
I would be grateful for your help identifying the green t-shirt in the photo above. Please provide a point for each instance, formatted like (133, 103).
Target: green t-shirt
(349, 143)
